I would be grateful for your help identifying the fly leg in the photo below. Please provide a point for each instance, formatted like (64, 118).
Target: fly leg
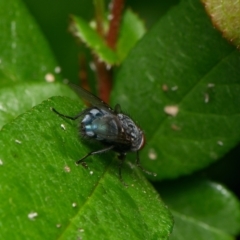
(93, 153)
(121, 157)
(65, 116)
(140, 166)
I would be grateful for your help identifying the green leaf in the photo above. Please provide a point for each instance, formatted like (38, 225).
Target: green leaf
(44, 195)
(82, 30)
(132, 29)
(182, 62)
(225, 17)
(25, 54)
(26, 63)
(21, 97)
(202, 210)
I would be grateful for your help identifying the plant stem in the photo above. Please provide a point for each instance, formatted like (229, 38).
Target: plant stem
(115, 20)
(104, 74)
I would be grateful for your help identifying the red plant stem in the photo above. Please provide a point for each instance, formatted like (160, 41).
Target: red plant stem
(104, 75)
(116, 14)
(104, 80)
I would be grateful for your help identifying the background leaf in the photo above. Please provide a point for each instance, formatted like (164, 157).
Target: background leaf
(21, 97)
(202, 209)
(182, 62)
(225, 17)
(27, 65)
(25, 54)
(132, 29)
(82, 30)
(38, 183)
(53, 19)
(54, 22)
(38, 175)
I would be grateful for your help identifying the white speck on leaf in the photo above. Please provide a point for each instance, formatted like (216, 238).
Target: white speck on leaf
(174, 88)
(67, 169)
(206, 98)
(171, 110)
(57, 69)
(211, 85)
(17, 141)
(220, 143)
(1, 162)
(49, 77)
(91, 172)
(74, 204)
(63, 127)
(32, 215)
(152, 154)
(58, 225)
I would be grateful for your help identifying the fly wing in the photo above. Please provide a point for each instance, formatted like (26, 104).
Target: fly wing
(120, 139)
(108, 129)
(115, 139)
(90, 98)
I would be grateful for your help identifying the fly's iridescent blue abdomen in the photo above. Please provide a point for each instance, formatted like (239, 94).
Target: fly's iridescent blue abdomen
(115, 130)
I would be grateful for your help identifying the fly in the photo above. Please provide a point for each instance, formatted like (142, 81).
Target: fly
(114, 129)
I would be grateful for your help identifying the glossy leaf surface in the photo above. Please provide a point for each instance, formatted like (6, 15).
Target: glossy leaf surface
(45, 195)
(17, 99)
(38, 176)
(25, 54)
(202, 210)
(132, 29)
(182, 84)
(27, 65)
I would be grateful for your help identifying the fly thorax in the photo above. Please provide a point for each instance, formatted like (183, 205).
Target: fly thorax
(87, 126)
(133, 132)
(98, 124)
